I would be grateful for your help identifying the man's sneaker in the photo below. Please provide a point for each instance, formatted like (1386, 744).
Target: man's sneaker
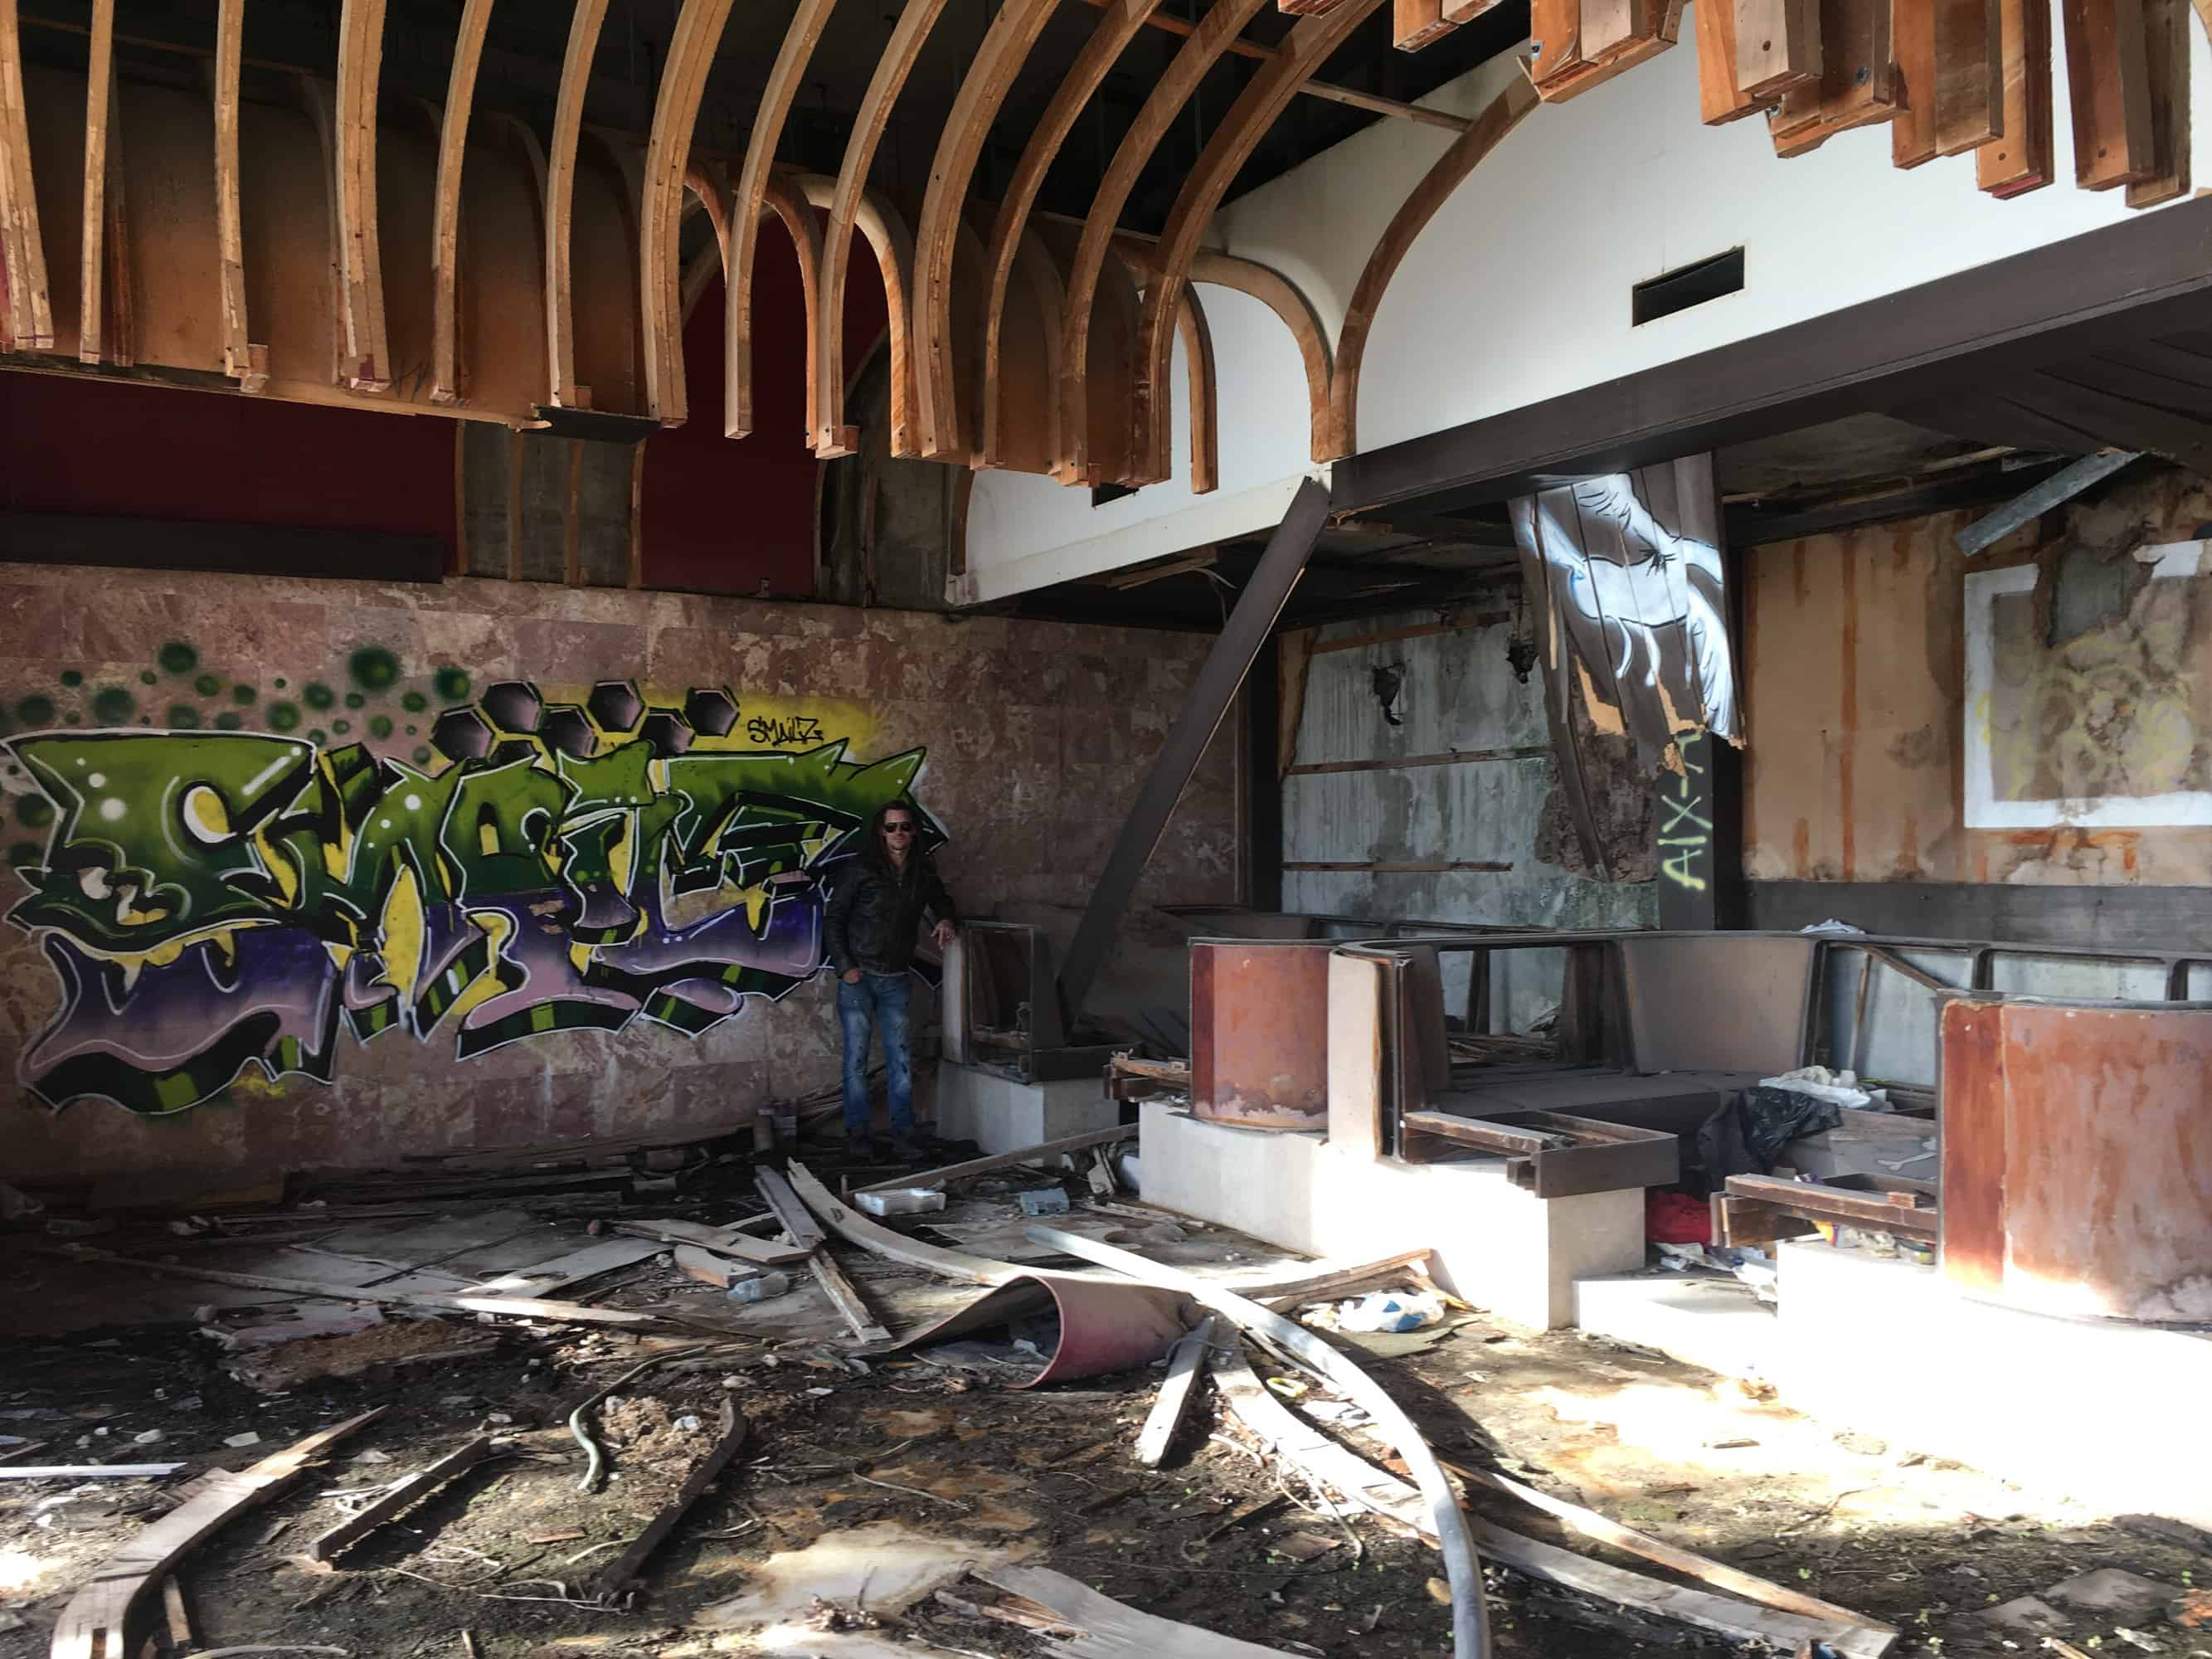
(905, 1151)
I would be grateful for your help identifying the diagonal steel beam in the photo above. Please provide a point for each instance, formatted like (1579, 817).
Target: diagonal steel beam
(1253, 619)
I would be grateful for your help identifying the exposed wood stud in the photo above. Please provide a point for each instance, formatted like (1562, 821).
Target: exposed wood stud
(230, 224)
(1466, 11)
(1857, 87)
(98, 102)
(1450, 170)
(1005, 47)
(2108, 83)
(891, 241)
(907, 39)
(2167, 40)
(784, 80)
(120, 337)
(667, 155)
(1777, 45)
(560, 197)
(1120, 24)
(796, 215)
(446, 233)
(30, 317)
(2023, 159)
(1308, 45)
(367, 365)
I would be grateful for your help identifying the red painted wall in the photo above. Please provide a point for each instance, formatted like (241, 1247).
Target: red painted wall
(722, 517)
(133, 449)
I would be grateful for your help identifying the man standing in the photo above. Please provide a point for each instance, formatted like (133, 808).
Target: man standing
(869, 934)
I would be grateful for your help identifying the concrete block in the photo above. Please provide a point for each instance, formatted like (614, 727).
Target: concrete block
(1497, 1246)
(2104, 1413)
(1002, 1115)
(1714, 1323)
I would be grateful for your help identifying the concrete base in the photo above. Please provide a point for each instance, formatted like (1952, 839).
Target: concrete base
(1505, 1251)
(1002, 1115)
(1702, 1320)
(2106, 1414)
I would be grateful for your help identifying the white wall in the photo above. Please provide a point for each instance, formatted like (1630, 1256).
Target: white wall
(1518, 290)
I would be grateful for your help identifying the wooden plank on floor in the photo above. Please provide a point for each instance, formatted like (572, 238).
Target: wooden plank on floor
(2022, 159)
(1180, 1387)
(412, 1490)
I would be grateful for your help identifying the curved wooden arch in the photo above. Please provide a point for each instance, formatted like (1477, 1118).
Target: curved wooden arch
(1450, 170)
(1264, 98)
(30, 312)
(446, 236)
(561, 195)
(781, 202)
(1197, 55)
(835, 437)
(667, 158)
(705, 265)
(1122, 23)
(1033, 445)
(1197, 335)
(98, 105)
(753, 190)
(1282, 296)
(791, 207)
(361, 271)
(1005, 47)
(893, 244)
(705, 188)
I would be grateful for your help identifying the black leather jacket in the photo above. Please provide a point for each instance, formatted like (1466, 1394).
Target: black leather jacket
(876, 912)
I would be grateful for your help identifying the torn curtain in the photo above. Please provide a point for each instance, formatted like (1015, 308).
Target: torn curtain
(1628, 596)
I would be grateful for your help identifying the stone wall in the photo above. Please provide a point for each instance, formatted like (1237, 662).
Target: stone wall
(316, 872)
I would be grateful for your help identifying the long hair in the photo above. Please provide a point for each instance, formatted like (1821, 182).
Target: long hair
(874, 854)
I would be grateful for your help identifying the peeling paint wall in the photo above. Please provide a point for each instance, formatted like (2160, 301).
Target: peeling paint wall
(1856, 653)
(309, 872)
(1457, 694)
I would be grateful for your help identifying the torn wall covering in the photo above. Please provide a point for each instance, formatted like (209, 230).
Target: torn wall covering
(318, 873)
(2078, 752)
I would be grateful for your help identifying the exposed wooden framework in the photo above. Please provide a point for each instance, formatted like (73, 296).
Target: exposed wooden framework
(1264, 98)
(1282, 296)
(833, 437)
(784, 79)
(1197, 337)
(561, 198)
(230, 226)
(445, 230)
(1078, 463)
(30, 312)
(98, 105)
(889, 238)
(367, 364)
(1120, 24)
(667, 157)
(1450, 170)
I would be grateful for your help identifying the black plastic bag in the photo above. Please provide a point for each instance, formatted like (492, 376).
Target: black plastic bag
(1746, 1135)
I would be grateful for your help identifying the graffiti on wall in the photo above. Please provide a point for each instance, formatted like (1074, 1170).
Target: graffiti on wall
(213, 899)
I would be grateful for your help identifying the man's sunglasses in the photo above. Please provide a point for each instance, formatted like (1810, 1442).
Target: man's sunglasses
(903, 827)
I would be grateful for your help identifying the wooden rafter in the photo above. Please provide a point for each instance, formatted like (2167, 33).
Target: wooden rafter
(835, 437)
(1282, 296)
(230, 222)
(99, 96)
(1172, 89)
(446, 231)
(797, 215)
(367, 365)
(1197, 337)
(1718, 100)
(668, 155)
(1005, 47)
(2108, 81)
(2023, 158)
(1042, 284)
(1263, 100)
(1450, 170)
(888, 238)
(1120, 24)
(30, 320)
(1777, 45)
(560, 196)
(119, 333)
(1418, 23)
(2167, 41)
(784, 77)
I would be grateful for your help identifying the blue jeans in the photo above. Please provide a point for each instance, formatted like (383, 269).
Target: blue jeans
(879, 1000)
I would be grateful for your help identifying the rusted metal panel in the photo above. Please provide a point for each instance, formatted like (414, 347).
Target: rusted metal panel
(1259, 1032)
(1973, 1146)
(2094, 1121)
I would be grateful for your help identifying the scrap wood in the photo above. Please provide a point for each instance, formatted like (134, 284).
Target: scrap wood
(1470, 1620)
(1176, 1392)
(403, 1492)
(89, 1471)
(857, 1229)
(723, 1241)
(784, 1204)
(851, 1306)
(573, 1268)
(1005, 1160)
(1107, 1629)
(96, 1623)
(1291, 1436)
(719, 1271)
(624, 1567)
(1330, 1281)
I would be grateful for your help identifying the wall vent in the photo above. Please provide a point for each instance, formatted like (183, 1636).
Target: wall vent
(1686, 286)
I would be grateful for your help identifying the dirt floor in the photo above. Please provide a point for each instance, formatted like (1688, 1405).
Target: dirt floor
(1222, 1538)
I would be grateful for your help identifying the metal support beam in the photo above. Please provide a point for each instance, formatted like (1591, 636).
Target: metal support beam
(2054, 491)
(1253, 619)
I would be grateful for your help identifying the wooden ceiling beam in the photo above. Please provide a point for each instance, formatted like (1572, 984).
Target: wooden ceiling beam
(2024, 159)
(892, 243)
(1198, 54)
(796, 214)
(660, 209)
(1197, 337)
(30, 312)
(1257, 107)
(367, 365)
(230, 221)
(784, 77)
(1288, 301)
(835, 437)
(1005, 47)
(561, 199)
(445, 230)
(1123, 19)
(99, 102)
(2108, 80)
(1422, 204)
(2167, 43)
